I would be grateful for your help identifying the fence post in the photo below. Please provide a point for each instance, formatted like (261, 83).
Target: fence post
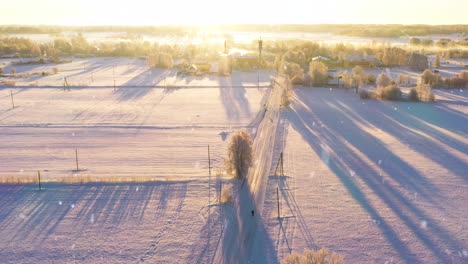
(12, 102)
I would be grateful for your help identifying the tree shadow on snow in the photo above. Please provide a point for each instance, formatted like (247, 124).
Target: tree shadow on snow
(333, 132)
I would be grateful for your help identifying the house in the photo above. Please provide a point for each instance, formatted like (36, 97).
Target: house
(363, 61)
(202, 66)
(190, 70)
(10, 56)
(246, 61)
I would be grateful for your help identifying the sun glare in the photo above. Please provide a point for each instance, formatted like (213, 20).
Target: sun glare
(209, 12)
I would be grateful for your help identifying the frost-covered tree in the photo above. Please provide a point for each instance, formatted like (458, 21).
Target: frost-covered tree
(240, 154)
(427, 77)
(417, 61)
(318, 73)
(383, 80)
(436, 63)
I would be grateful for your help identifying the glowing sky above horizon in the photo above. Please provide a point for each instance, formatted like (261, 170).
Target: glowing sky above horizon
(143, 12)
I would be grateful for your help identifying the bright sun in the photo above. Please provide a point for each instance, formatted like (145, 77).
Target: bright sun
(204, 12)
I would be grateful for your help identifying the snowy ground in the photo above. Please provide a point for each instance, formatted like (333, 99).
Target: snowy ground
(378, 182)
(375, 181)
(149, 132)
(159, 222)
(93, 72)
(130, 133)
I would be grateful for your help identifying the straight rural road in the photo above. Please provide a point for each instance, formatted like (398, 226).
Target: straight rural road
(241, 228)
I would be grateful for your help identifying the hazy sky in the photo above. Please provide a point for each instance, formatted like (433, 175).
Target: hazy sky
(155, 12)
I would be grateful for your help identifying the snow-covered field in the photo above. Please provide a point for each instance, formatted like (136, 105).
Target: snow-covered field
(96, 72)
(130, 133)
(378, 182)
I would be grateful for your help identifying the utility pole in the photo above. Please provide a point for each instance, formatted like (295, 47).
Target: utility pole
(39, 179)
(65, 84)
(260, 47)
(76, 159)
(12, 102)
(279, 165)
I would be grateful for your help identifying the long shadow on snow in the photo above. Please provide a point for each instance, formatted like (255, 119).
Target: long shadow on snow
(243, 225)
(342, 127)
(136, 88)
(397, 125)
(98, 204)
(235, 102)
(412, 123)
(341, 164)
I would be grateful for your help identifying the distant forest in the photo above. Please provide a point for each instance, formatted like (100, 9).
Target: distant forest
(339, 29)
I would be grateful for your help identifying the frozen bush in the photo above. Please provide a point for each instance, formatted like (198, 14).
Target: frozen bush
(463, 75)
(391, 92)
(456, 82)
(383, 80)
(8, 83)
(321, 256)
(433, 79)
(417, 61)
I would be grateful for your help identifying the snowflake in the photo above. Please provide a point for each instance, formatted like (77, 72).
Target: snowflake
(423, 224)
(312, 174)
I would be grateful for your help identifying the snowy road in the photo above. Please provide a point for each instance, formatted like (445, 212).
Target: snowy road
(242, 230)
